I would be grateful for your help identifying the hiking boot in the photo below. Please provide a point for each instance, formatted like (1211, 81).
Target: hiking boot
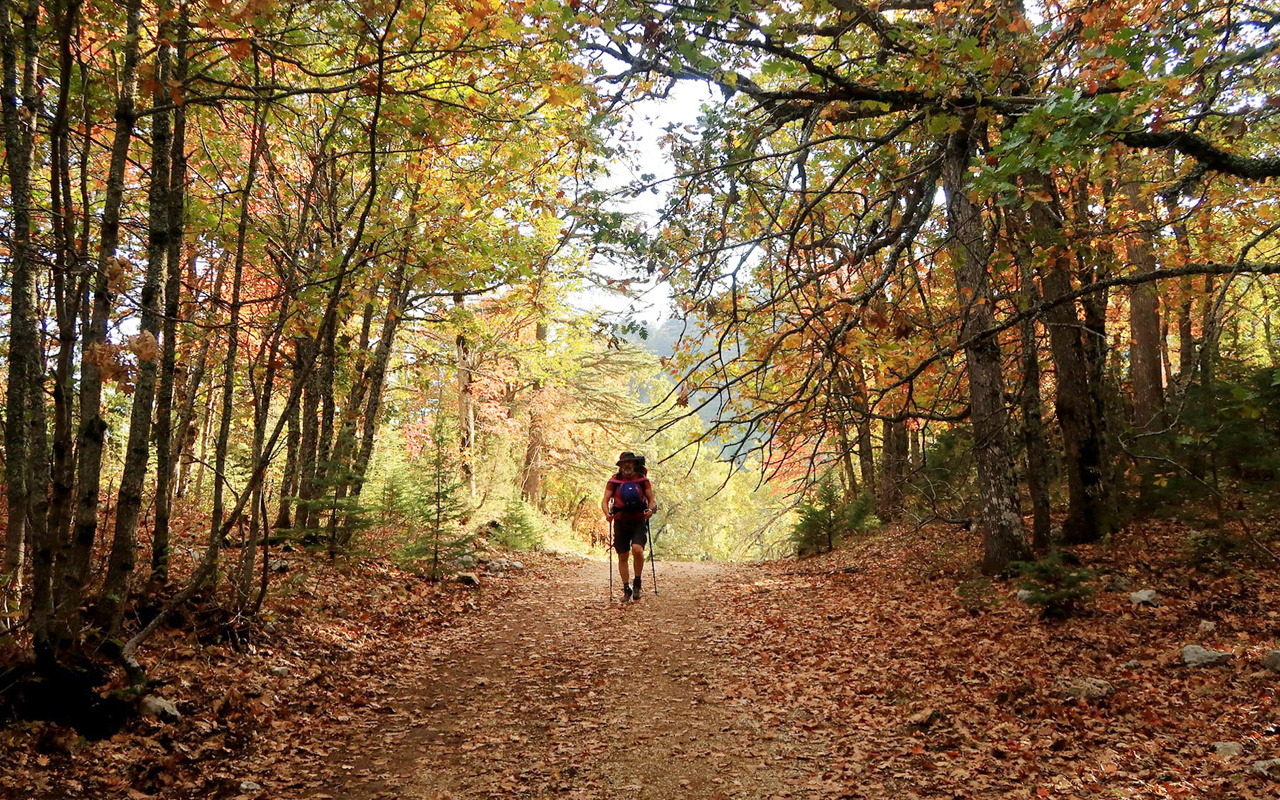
(626, 593)
(635, 588)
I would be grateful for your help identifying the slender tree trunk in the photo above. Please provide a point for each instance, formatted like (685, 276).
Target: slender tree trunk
(289, 478)
(1004, 538)
(222, 440)
(121, 562)
(534, 451)
(1033, 424)
(466, 405)
(378, 376)
(307, 349)
(862, 410)
(72, 572)
(166, 450)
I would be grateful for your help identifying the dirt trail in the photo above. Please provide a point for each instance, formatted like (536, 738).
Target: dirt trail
(556, 692)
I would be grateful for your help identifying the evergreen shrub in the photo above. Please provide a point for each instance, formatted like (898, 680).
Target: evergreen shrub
(1057, 583)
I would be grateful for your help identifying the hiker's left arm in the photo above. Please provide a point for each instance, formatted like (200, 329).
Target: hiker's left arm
(650, 504)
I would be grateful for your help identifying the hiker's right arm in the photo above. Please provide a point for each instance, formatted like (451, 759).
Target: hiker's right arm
(604, 502)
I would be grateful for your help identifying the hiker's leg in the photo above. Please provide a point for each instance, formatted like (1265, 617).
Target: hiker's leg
(637, 555)
(621, 541)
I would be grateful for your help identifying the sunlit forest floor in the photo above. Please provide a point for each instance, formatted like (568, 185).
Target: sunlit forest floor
(888, 669)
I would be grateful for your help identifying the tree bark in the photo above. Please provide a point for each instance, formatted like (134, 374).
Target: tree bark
(1004, 538)
(21, 110)
(535, 445)
(1087, 518)
(166, 447)
(222, 440)
(121, 561)
(72, 571)
(466, 405)
(1144, 319)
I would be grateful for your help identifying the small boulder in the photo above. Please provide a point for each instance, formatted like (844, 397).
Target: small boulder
(1193, 655)
(1228, 749)
(517, 565)
(279, 672)
(1272, 661)
(468, 579)
(250, 787)
(1024, 595)
(158, 707)
(1091, 689)
(1145, 597)
(1132, 663)
(1120, 583)
(1270, 767)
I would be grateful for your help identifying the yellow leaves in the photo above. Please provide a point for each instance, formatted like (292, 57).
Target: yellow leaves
(144, 346)
(563, 95)
(118, 273)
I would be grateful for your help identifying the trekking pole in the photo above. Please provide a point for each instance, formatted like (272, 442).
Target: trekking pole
(653, 571)
(609, 546)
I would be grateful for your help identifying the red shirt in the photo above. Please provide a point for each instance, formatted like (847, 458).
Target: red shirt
(642, 483)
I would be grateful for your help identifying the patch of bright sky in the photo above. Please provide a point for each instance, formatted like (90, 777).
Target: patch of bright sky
(648, 301)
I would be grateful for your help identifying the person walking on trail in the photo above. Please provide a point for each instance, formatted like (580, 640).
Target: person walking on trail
(628, 503)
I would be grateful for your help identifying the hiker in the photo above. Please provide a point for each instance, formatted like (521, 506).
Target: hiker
(628, 503)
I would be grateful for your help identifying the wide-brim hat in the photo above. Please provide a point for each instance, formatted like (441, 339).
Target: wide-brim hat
(627, 455)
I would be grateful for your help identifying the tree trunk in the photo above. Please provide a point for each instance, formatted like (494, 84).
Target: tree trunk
(222, 440)
(466, 405)
(1004, 538)
(1144, 319)
(534, 455)
(893, 468)
(72, 572)
(306, 349)
(1087, 518)
(378, 376)
(121, 562)
(69, 286)
(289, 477)
(166, 447)
(26, 367)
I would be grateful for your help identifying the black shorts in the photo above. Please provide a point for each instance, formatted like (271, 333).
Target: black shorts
(627, 532)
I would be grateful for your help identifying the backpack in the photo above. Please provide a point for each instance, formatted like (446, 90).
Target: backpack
(629, 496)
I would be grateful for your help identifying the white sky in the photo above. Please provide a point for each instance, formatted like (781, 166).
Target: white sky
(651, 117)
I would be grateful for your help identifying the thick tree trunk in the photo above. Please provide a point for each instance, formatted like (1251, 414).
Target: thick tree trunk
(893, 468)
(1144, 319)
(72, 572)
(69, 286)
(1004, 538)
(1087, 517)
(26, 368)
